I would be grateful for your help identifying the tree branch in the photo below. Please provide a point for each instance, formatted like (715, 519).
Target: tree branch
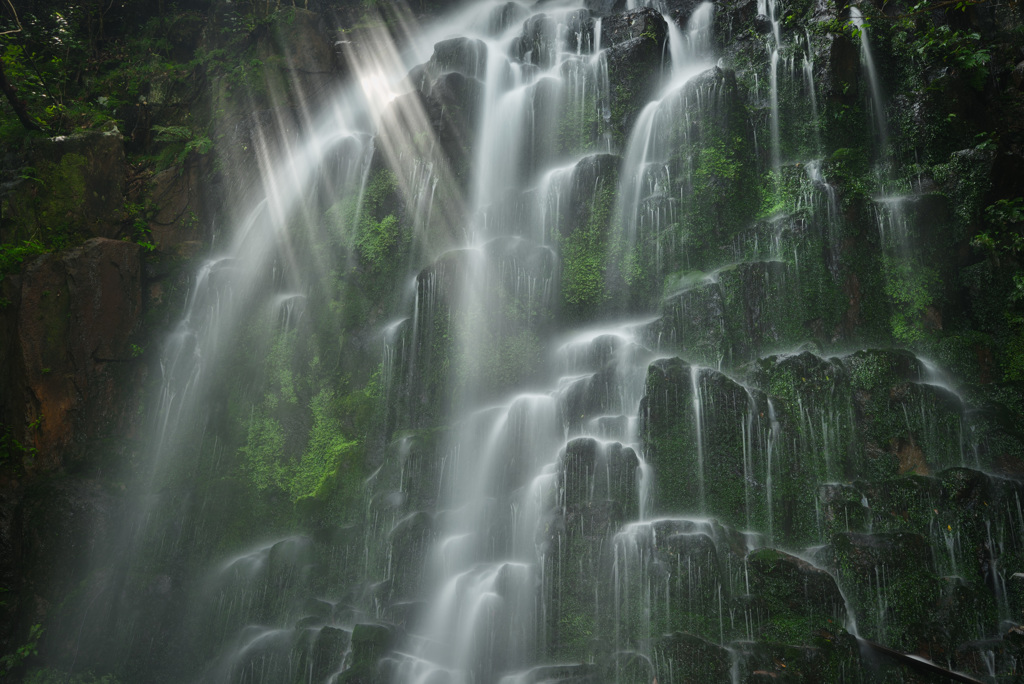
(19, 106)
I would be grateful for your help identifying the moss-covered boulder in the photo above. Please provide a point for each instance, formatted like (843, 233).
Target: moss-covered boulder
(793, 601)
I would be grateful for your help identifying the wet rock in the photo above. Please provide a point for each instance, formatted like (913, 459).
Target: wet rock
(636, 41)
(640, 23)
(843, 76)
(504, 17)
(732, 20)
(678, 11)
(676, 575)
(794, 600)
(263, 132)
(68, 358)
(701, 132)
(843, 508)
(328, 652)
(590, 396)
(603, 8)
(834, 656)
(591, 470)
(417, 453)
(452, 104)
(559, 674)
(698, 453)
(904, 504)
(993, 658)
(693, 321)
(736, 314)
(890, 583)
(467, 56)
(61, 525)
(370, 642)
(687, 659)
(303, 56)
(410, 539)
(576, 544)
(578, 32)
(180, 225)
(302, 40)
(538, 43)
(590, 179)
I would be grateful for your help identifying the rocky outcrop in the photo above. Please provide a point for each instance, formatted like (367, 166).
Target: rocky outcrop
(301, 48)
(636, 42)
(68, 184)
(67, 353)
(179, 224)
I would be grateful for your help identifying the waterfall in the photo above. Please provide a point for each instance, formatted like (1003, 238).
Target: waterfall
(524, 364)
(878, 117)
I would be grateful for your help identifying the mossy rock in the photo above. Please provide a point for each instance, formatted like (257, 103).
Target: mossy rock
(410, 541)
(890, 583)
(592, 470)
(793, 600)
(703, 434)
(833, 656)
(369, 644)
(682, 658)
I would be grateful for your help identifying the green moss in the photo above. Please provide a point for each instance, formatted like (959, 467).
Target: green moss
(586, 253)
(911, 287)
(328, 448)
(264, 453)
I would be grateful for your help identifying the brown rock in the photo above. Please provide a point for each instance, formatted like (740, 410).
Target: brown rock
(177, 225)
(911, 457)
(65, 339)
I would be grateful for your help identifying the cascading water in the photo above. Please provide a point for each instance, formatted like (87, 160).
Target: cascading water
(881, 124)
(621, 434)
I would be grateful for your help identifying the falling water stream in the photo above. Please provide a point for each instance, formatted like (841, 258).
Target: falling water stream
(630, 499)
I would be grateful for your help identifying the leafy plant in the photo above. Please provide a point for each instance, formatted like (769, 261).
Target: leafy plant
(183, 141)
(11, 661)
(962, 51)
(12, 255)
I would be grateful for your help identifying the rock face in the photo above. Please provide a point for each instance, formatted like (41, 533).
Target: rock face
(67, 354)
(74, 184)
(303, 52)
(180, 223)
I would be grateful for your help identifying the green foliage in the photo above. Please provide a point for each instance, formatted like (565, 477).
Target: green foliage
(911, 288)
(181, 142)
(264, 453)
(961, 50)
(378, 240)
(12, 255)
(583, 266)
(13, 451)
(279, 372)
(13, 660)
(327, 448)
(1004, 220)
